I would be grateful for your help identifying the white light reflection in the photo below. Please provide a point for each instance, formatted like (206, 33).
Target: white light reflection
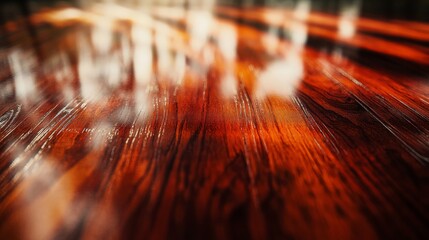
(302, 9)
(42, 214)
(125, 55)
(112, 69)
(89, 85)
(142, 55)
(60, 68)
(200, 23)
(107, 63)
(142, 102)
(101, 37)
(22, 65)
(143, 66)
(348, 16)
(66, 14)
(229, 85)
(208, 56)
(298, 30)
(100, 133)
(227, 43)
(162, 38)
(271, 41)
(282, 76)
(180, 68)
(125, 50)
(102, 67)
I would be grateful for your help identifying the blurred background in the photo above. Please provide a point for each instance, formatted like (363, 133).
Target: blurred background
(416, 10)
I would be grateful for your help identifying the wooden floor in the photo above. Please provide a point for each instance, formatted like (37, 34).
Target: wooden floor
(267, 123)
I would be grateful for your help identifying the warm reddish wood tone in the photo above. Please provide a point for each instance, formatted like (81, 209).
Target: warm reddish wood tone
(242, 132)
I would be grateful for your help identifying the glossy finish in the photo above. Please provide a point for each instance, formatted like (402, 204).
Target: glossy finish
(219, 123)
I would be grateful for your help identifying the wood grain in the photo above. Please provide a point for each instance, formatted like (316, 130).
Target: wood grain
(119, 124)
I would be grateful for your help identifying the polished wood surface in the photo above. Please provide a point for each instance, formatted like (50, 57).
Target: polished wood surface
(264, 123)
